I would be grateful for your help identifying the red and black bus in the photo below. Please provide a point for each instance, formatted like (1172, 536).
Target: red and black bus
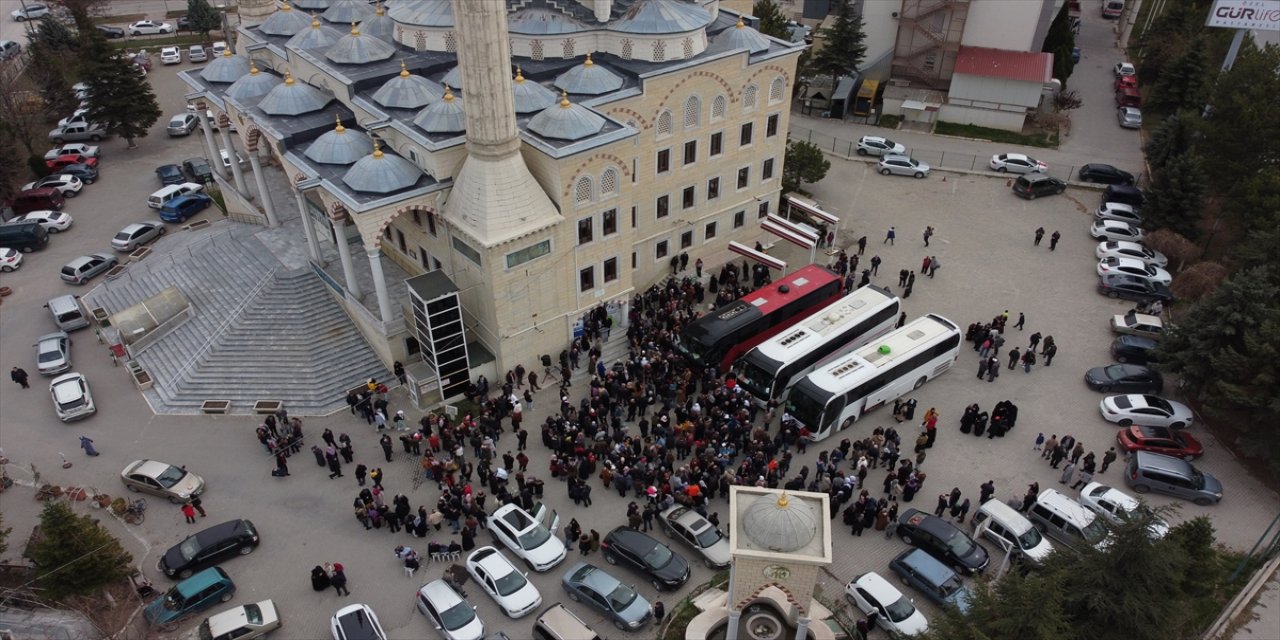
(720, 337)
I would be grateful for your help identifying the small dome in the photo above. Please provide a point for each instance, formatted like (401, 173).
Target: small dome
(739, 36)
(443, 116)
(355, 48)
(284, 22)
(530, 96)
(661, 16)
(782, 525)
(381, 173)
(588, 79)
(339, 146)
(453, 78)
(252, 87)
(318, 36)
(407, 91)
(293, 98)
(423, 13)
(535, 21)
(347, 11)
(379, 25)
(226, 68)
(566, 121)
(312, 5)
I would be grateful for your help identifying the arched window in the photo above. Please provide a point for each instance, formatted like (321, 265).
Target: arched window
(609, 182)
(659, 51)
(535, 50)
(777, 89)
(451, 42)
(692, 111)
(582, 191)
(749, 97)
(569, 48)
(718, 108)
(626, 48)
(664, 123)
(687, 44)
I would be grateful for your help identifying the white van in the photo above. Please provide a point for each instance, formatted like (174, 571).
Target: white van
(160, 198)
(67, 312)
(1001, 524)
(1067, 521)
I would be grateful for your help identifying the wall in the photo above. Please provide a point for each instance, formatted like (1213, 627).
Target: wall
(1005, 24)
(994, 93)
(982, 117)
(881, 29)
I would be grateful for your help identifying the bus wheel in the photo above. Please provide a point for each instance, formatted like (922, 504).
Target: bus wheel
(848, 422)
(920, 382)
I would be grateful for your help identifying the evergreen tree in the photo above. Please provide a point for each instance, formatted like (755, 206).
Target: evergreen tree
(1256, 205)
(1173, 138)
(1243, 117)
(119, 98)
(74, 555)
(1175, 198)
(1169, 35)
(1026, 606)
(4, 535)
(842, 48)
(204, 18)
(53, 34)
(804, 162)
(772, 21)
(1059, 41)
(1180, 84)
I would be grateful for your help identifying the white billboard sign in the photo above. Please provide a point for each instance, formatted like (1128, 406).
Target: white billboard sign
(1263, 15)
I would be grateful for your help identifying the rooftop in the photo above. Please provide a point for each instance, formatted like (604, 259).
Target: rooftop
(1026, 66)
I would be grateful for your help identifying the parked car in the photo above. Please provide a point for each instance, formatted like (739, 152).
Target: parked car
(1124, 377)
(68, 185)
(69, 159)
(72, 399)
(198, 169)
(932, 578)
(53, 353)
(9, 49)
(1129, 117)
(226, 158)
(36, 200)
(509, 588)
(529, 535)
(1134, 349)
(84, 268)
(687, 526)
(877, 146)
(1017, 163)
(593, 586)
(1125, 194)
(149, 28)
(74, 148)
(1123, 82)
(52, 221)
(356, 622)
(1138, 324)
(1162, 440)
(1105, 174)
(871, 593)
(77, 131)
(135, 235)
(1115, 506)
(943, 541)
(209, 547)
(1115, 230)
(84, 172)
(79, 116)
(183, 207)
(666, 569)
(1124, 69)
(449, 611)
(1034, 185)
(1125, 410)
(191, 596)
(111, 33)
(1135, 268)
(1125, 249)
(29, 12)
(219, 48)
(1146, 471)
(245, 622)
(184, 23)
(182, 125)
(175, 484)
(1118, 211)
(903, 166)
(170, 55)
(170, 174)
(196, 53)
(10, 259)
(1123, 285)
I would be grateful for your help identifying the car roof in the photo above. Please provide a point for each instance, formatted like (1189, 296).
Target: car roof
(135, 226)
(149, 468)
(1150, 460)
(57, 335)
(1118, 205)
(1063, 502)
(929, 523)
(1137, 341)
(1122, 261)
(66, 388)
(895, 156)
(926, 565)
(440, 593)
(1144, 318)
(633, 538)
(232, 619)
(593, 576)
(202, 579)
(222, 530)
(879, 588)
(493, 562)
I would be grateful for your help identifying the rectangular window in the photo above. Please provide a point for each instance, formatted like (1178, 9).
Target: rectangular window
(587, 279)
(713, 188)
(585, 231)
(609, 222)
(771, 126)
(764, 210)
(610, 269)
(691, 152)
(423, 259)
(517, 258)
(417, 219)
(717, 143)
(431, 223)
(400, 241)
(709, 231)
(766, 170)
(744, 177)
(633, 259)
(745, 139)
(662, 207)
(661, 251)
(686, 199)
(466, 250)
(633, 217)
(739, 219)
(686, 240)
(664, 161)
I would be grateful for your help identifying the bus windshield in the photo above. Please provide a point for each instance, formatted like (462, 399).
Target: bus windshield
(806, 409)
(756, 377)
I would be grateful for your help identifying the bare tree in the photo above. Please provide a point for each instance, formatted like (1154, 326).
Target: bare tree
(1177, 247)
(1199, 280)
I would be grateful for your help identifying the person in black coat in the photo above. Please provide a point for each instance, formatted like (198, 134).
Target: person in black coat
(967, 420)
(319, 578)
(980, 424)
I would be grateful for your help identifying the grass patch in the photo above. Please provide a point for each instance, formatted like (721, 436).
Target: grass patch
(1049, 141)
(889, 121)
(218, 199)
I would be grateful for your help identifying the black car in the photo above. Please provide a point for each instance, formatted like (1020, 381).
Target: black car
(666, 569)
(1105, 174)
(86, 173)
(942, 540)
(209, 547)
(110, 32)
(184, 23)
(198, 169)
(170, 174)
(1123, 285)
(1135, 349)
(1125, 378)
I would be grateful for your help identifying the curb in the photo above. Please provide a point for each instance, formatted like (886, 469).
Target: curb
(1093, 186)
(1243, 601)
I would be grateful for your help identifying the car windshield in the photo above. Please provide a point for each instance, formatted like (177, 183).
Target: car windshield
(534, 538)
(960, 545)
(253, 613)
(709, 536)
(900, 610)
(1116, 372)
(123, 235)
(1156, 402)
(170, 477)
(658, 556)
(1030, 540)
(49, 353)
(510, 583)
(459, 615)
(621, 597)
(173, 600)
(1094, 532)
(189, 548)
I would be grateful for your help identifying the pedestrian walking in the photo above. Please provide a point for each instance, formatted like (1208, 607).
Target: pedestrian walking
(385, 441)
(1022, 320)
(282, 464)
(1028, 360)
(1077, 452)
(942, 505)
(902, 319)
(862, 244)
(1067, 472)
(697, 267)
(86, 443)
(934, 265)
(902, 277)
(1013, 358)
(18, 375)
(335, 465)
(338, 578)
(1035, 341)
(993, 369)
(987, 490)
(1053, 240)
(1107, 459)
(1039, 442)
(1049, 353)
(888, 237)
(959, 511)
(198, 505)
(982, 367)
(924, 266)
(189, 512)
(928, 233)
(1039, 235)
(875, 265)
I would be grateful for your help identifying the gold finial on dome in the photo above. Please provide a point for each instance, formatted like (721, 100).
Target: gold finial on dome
(519, 74)
(355, 30)
(288, 77)
(589, 63)
(377, 149)
(740, 24)
(253, 68)
(564, 99)
(340, 128)
(783, 501)
(285, 6)
(226, 53)
(315, 21)
(378, 9)
(404, 71)
(448, 94)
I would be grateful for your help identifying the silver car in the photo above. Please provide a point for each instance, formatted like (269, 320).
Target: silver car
(1129, 117)
(136, 235)
(84, 268)
(877, 146)
(689, 527)
(903, 166)
(591, 585)
(53, 353)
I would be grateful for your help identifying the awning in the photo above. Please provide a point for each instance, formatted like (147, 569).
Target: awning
(789, 231)
(751, 254)
(914, 105)
(812, 210)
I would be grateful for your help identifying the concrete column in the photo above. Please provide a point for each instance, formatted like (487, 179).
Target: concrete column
(236, 173)
(209, 142)
(379, 284)
(734, 617)
(313, 248)
(261, 181)
(802, 628)
(344, 251)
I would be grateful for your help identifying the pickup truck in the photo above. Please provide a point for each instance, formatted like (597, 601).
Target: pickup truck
(75, 148)
(73, 132)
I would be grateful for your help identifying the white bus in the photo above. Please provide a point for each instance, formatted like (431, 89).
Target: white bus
(769, 370)
(837, 394)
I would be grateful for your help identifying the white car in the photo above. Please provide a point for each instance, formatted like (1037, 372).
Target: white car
(1117, 211)
(894, 612)
(10, 259)
(500, 579)
(1138, 324)
(52, 221)
(1115, 230)
(66, 184)
(71, 397)
(903, 166)
(148, 28)
(1114, 505)
(170, 55)
(530, 536)
(689, 527)
(53, 353)
(196, 53)
(1145, 410)
(1122, 249)
(1134, 267)
(73, 149)
(1124, 69)
(219, 48)
(135, 235)
(449, 612)
(78, 117)
(877, 146)
(1017, 163)
(29, 11)
(245, 622)
(356, 622)
(226, 157)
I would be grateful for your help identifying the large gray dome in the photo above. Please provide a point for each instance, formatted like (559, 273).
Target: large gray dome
(661, 16)
(423, 13)
(293, 98)
(443, 116)
(312, 5)
(318, 35)
(381, 173)
(530, 96)
(356, 48)
(588, 79)
(407, 91)
(339, 146)
(379, 25)
(226, 68)
(783, 525)
(739, 36)
(347, 11)
(566, 121)
(252, 87)
(285, 22)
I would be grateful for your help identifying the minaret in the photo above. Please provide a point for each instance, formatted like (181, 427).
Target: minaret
(494, 196)
(253, 12)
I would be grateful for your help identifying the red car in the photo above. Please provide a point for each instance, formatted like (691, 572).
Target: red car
(1162, 440)
(62, 161)
(1126, 82)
